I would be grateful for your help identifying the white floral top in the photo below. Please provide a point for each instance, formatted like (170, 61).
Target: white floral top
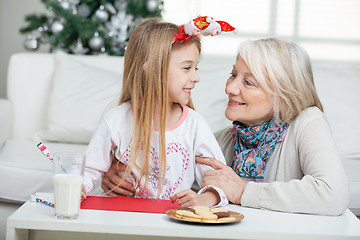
(191, 136)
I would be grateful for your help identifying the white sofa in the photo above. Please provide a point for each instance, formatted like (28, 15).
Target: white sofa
(59, 99)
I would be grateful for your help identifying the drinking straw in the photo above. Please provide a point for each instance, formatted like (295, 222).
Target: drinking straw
(35, 198)
(46, 152)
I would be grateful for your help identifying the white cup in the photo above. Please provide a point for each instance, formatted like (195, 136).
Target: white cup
(68, 179)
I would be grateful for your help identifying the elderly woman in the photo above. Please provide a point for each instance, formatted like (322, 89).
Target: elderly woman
(280, 151)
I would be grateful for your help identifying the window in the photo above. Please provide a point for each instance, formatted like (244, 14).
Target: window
(328, 29)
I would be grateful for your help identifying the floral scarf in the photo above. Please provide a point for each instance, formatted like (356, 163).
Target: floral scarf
(254, 146)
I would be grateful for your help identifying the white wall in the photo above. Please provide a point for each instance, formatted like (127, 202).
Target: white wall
(12, 18)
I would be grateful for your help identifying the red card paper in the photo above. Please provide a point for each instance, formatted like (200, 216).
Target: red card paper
(128, 204)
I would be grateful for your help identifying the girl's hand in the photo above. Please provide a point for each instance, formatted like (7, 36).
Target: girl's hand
(113, 185)
(189, 198)
(83, 194)
(223, 177)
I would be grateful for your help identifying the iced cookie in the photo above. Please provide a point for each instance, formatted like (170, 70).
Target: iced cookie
(222, 214)
(187, 209)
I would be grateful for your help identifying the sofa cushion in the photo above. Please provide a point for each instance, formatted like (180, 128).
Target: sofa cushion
(339, 92)
(6, 113)
(25, 170)
(79, 96)
(28, 91)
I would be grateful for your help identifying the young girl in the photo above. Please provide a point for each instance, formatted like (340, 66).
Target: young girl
(154, 130)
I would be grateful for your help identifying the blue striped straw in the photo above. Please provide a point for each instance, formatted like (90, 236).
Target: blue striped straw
(46, 153)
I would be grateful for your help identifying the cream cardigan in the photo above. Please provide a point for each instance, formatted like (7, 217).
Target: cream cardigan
(303, 175)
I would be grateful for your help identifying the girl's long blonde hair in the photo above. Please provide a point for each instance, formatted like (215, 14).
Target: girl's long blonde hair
(284, 70)
(145, 86)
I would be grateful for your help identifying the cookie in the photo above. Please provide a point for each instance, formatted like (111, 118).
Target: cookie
(226, 219)
(219, 209)
(208, 216)
(201, 209)
(204, 214)
(191, 219)
(187, 215)
(187, 209)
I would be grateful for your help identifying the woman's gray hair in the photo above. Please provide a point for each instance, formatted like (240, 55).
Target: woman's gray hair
(284, 70)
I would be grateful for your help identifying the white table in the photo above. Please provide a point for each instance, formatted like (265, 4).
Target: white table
(37, 221)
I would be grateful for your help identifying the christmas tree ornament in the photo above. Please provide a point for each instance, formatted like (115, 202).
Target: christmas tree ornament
(103, 51)
(69, 5)
(57, 26)
(73, 8)
(43, 36)
(101, 14)
(110, 8)
(40, 31)
(152, 5)
(96, 42)
(78, 48)
(45, 27)
(64, 4)
(31, 42)
(83, 10)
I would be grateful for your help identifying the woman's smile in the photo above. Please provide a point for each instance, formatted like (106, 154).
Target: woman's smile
(233, 103)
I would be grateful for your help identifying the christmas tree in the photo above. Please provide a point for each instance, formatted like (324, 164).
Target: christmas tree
(87, 26)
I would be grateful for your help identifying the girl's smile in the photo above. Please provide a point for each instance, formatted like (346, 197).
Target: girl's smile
(188, 90)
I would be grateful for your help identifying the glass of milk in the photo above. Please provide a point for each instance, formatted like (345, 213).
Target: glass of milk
(68, 179)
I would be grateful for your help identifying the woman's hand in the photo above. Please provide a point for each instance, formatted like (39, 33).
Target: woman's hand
(113, 184)
(189, 198)
(223, 177)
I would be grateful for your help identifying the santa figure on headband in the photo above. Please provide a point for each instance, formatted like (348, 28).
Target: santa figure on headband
(206, 25)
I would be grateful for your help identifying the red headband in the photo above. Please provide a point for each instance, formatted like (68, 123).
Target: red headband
(181, 36)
